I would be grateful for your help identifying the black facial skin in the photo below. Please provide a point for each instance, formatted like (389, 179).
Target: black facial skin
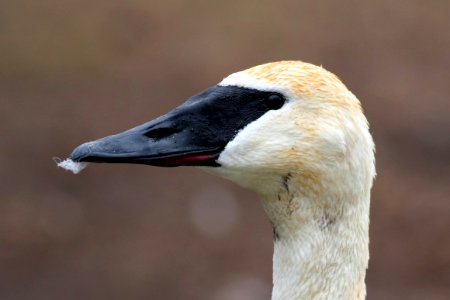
(194, 134)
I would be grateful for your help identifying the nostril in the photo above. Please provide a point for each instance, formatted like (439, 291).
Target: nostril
(159, 133)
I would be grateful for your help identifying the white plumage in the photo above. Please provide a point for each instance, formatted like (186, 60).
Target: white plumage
(312, 162)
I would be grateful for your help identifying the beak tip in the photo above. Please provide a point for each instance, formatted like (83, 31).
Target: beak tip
(82, 151)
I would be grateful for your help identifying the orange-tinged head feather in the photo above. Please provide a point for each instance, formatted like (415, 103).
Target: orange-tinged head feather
(303, 80)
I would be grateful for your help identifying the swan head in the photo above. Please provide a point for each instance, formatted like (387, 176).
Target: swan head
(257, 127)
(292, 132)
(320, 132)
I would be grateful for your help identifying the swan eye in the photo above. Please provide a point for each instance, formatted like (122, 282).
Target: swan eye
(274, 101)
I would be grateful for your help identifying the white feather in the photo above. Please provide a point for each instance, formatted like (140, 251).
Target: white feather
(70, 165)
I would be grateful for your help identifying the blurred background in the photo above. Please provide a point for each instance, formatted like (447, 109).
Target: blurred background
(76, 70)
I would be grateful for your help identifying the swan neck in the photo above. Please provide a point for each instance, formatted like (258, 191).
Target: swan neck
(320, 250)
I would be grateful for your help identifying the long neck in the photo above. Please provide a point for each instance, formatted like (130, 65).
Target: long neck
(320, 243)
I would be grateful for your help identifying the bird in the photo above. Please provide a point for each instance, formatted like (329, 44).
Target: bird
(293, 133)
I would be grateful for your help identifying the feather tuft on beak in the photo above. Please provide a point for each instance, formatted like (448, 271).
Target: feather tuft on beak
(70, 165)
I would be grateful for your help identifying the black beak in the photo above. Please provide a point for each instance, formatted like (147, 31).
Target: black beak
(193, 134)
(162, 142)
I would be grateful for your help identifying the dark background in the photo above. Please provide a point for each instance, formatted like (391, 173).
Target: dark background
(76, 70)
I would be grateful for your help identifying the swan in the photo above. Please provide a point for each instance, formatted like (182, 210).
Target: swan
(293, 133)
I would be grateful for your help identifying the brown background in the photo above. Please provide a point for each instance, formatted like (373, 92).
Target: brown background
(75, 70)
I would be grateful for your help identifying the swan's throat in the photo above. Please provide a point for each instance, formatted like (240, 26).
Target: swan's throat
(320, 244)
